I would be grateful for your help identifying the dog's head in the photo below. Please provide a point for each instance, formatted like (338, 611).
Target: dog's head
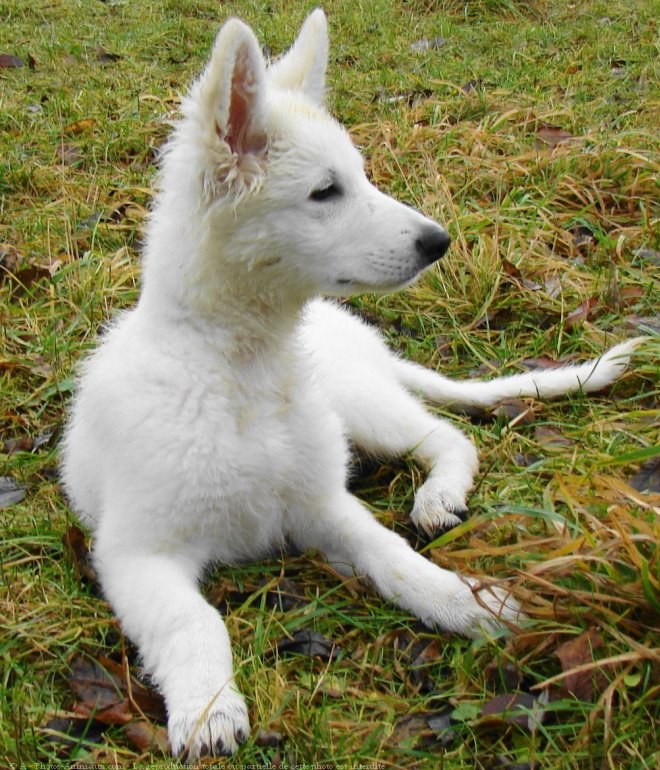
(280, 185)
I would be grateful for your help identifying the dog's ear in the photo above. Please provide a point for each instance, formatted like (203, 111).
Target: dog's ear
(231, 91)
(303, 67)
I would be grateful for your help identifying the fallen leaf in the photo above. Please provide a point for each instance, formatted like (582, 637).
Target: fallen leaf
(629, 295)
(524, 460)
(583, 236)
(30, 275)
(70, 732)
(511, 270)
(411, 98)
(644, 324)
(648, 255)
(10, 258)
(14, 445)
(552, 286)
(11, 492)
(105, 57)
(99, 692)
(74, 542)
(581, 313)
(647, 478)
(503, 675)
(574, 653)
(472, 85)
(101, 688)
(542, 362)
(283, 596)
(68, 154)
(429, 655)
(515, 411)
(553, 135)
(551, 438)
(7, 61)
(428, 729)
(146, 736)
(428, 44)
(309, 643)
(78, 126)
(520, 708)
(618, 67)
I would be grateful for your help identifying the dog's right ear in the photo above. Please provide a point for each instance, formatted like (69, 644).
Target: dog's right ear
(303, 67)
(230, 95)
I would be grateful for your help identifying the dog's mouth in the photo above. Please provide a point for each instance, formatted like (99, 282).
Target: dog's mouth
(359, 286)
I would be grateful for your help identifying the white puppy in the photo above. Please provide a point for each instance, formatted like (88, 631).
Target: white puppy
(211, 424)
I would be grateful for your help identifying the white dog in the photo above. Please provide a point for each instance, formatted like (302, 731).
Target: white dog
(212, 423)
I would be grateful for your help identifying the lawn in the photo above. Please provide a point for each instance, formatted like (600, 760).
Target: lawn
(530, 129)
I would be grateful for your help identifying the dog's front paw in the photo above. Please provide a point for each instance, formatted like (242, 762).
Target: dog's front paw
(437, 508)
(480, 610)
(212, 727)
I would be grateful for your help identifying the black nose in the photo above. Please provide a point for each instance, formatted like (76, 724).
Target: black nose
(432, 244)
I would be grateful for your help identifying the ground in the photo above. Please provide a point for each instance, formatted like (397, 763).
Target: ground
(530, 129)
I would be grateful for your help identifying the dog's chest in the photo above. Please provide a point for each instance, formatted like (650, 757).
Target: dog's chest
(251, 455)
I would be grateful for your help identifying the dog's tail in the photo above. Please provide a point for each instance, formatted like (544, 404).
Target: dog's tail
(587, 377)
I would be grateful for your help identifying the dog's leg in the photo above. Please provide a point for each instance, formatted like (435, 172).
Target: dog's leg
(387, 421)
(355, 543)
(183, 643)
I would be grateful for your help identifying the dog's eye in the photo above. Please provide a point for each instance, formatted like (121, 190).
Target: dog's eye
(324, 193)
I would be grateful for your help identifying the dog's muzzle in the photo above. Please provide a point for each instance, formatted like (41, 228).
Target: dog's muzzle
(432, 244)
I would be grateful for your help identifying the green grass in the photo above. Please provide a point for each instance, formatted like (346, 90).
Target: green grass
(545, 169)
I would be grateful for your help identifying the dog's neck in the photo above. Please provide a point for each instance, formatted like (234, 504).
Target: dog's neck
(238, 308)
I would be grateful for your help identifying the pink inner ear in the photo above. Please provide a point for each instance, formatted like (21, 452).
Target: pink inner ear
(243, 137)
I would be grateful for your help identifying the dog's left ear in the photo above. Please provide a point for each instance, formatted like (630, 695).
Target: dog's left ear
(303, 67)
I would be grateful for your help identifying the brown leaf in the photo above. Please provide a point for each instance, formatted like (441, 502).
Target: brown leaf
(78, 126)
(581, 313)
(648, 255)
(68, 154)
(309, 643)
(551, 438)
(146, 736)
(574, 653)
(74, 542)
(553, 135)
(7, 60)
(583, 236)
(99, 692)
(21, 444)
(472, 85)
(429, 728)
(644, 324)
(647, 478)
(503, 675)
(10, 258)
(511, 270)
(105, 57)
(11, 492)
(512, 709)
(514, 410)
(542, 362)
(425, 657)
(101, 687)
(72, 732)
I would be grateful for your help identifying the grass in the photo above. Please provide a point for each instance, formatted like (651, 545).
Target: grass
(532, 131)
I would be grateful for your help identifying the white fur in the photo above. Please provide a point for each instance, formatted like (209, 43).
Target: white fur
(211, 423)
